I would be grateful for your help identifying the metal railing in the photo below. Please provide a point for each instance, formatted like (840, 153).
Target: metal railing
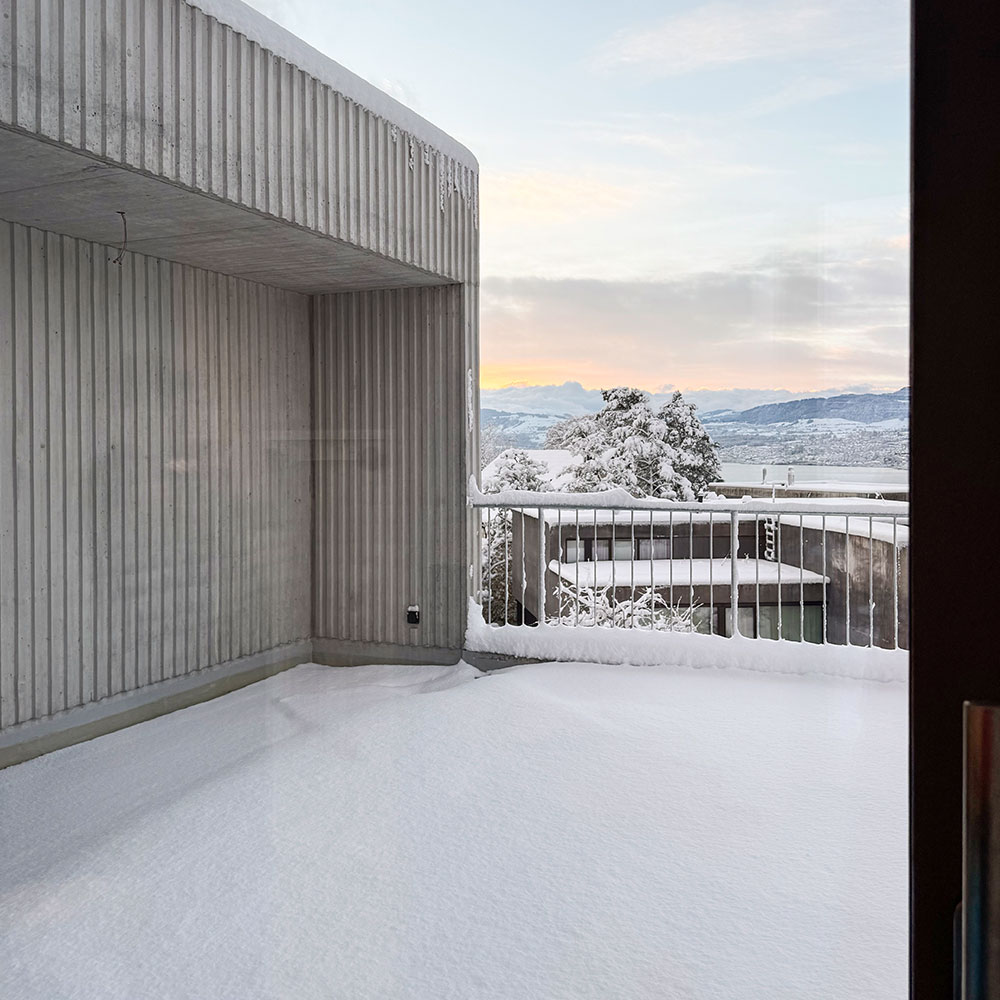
(825, 571)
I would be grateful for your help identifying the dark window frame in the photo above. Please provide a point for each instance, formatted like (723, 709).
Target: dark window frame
(955, 316)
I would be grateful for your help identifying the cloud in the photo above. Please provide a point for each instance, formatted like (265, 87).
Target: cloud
(618, 211)
(668, 135)
(509, 303)
(801, 90)
(793, 322)
(812, 50)
(687, 145)
(725, 33)
(717, 34)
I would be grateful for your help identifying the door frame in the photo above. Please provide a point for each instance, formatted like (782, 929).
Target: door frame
(955, 324)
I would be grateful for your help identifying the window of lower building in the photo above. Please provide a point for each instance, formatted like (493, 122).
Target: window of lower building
(745, 618)
(624, 548)
(796, 622)
(660, 548)
(703, 620)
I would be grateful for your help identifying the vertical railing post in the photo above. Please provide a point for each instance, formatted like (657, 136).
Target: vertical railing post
(613, 603)
(781, 633)
(632, 565)
(756, 572)
(670, 564)
(576, 613)
(690, 562)
(652, 577)
(895, 583)
(824, 578)
(541, 567)
(524, 565)
(559, 597)
(507, 539)
(847, 578)
(871, 582)
(711, 575)
(489, 560)
(593, 568)
(802, 587)
(734, 571)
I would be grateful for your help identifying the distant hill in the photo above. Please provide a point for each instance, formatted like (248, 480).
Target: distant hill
(863, 428)
(519, 430)
(849, 429)
(860, 408)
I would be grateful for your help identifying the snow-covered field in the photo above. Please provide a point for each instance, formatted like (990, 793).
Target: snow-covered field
(548, 831)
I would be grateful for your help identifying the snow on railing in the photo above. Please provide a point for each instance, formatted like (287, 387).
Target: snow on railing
(822, 571)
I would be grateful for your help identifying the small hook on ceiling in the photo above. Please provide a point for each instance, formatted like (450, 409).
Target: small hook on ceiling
(121, 252)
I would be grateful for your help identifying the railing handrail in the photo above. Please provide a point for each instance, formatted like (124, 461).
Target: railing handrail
(619, 499)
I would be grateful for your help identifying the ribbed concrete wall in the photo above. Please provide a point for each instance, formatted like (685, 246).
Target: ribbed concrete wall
(163, 429)
(161, 87)
(155, 471)
(393, 445)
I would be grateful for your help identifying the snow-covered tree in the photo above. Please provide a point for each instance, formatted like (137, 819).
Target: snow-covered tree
(651, 453)
(626, 445)
(663, 453)
(515, 469)
(492, 441)
(565, 433)
(697, 455)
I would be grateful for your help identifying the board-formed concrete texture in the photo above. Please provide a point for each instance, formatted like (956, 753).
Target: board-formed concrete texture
(238, 335)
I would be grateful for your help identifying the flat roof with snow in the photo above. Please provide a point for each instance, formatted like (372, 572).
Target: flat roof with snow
(681, 573)
(815, 486)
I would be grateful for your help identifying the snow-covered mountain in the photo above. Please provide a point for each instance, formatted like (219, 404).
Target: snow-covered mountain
(573, 400)
(519, 430)
(569, 399)
(864, 408)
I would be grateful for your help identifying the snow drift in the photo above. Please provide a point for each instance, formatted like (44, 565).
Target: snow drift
(597, 644)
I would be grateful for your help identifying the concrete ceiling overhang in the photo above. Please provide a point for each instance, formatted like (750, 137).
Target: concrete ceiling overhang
(50, 187)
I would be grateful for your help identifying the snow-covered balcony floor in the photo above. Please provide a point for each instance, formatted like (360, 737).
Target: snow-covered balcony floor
(550, 831)
(680, 572)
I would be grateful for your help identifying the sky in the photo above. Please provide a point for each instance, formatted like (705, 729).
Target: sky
(704, 195)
